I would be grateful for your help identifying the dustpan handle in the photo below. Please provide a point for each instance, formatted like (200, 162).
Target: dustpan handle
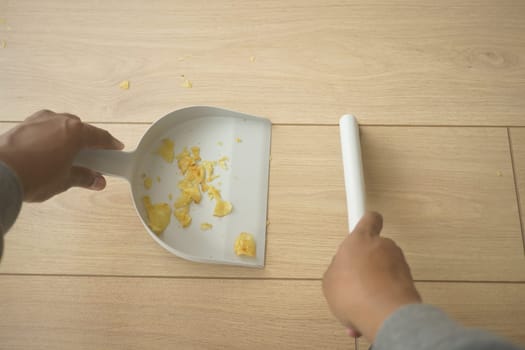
(108, 162)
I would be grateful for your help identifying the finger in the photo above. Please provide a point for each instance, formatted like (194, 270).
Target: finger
(93, 137)
(353, 333)
(370, 225)
(86, 178)
(44, 113)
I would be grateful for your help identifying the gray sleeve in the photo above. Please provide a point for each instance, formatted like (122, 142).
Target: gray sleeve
(10, 201)
(422, 327)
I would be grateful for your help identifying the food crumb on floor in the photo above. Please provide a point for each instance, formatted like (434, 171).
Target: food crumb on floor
(124, 85)
(220, 143)
(499, 173)
(238, 140)
(170, 197)
(158, 178)
(252, 58)
(3, 44)
(186, 84)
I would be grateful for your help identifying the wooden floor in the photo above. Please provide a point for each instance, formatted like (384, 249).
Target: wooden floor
(439, 88)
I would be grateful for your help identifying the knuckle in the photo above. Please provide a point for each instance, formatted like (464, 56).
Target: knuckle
(71, 116)
(44, 112)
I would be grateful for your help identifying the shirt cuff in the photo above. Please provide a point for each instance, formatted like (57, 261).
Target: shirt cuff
(425, 327)
(11, 196)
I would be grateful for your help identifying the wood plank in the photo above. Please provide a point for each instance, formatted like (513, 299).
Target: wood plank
(137, 313)
(517, 137)
(402, 62)
(438, 189)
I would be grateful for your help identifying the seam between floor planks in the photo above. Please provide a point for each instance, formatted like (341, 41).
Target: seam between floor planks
(234, 278)
(320, 124)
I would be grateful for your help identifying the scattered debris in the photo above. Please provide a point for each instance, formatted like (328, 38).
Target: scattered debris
(124, 85)
(252, 58)
(238, 140)
(499, 173)
(186, 84)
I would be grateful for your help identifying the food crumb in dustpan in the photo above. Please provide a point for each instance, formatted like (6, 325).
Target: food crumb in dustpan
(244, 245)
(158, 215)
(166, 150)
(205, 226)
(223, 162)
(197, 176)
(148, 183)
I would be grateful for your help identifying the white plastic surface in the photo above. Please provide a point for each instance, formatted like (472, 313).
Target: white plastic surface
(353, 169)
(244, 184)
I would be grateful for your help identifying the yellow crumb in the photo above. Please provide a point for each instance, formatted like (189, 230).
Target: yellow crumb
(166, 150)
(244, 245)
(170, 197)
(206, 226)
(184, 160)
(3, 44)
(196, 153)
(158, 215)
(238, 140)
(186, 84)
(148, 183)
(267, 222)
(158, 178)
(252, 58)
(124, 85)
(183, 201)
(183, 216)
(223, 162)
(197, 176)
(222, 208)
(499, 173)
(209, 169)
(220, 143)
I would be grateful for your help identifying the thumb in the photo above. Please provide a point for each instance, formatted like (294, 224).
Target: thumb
(370, 225)
(86, 178)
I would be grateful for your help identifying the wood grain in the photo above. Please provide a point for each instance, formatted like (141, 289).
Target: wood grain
(438, 189)
(517, 137)
(136, 313)
(401, 62)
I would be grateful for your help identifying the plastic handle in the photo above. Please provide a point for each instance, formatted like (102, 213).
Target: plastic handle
(353, 169)
(115, 163)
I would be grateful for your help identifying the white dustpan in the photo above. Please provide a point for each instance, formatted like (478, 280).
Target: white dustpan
(244, 139)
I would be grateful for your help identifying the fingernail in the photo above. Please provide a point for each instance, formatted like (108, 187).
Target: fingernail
(98, 183)
(118, 144)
